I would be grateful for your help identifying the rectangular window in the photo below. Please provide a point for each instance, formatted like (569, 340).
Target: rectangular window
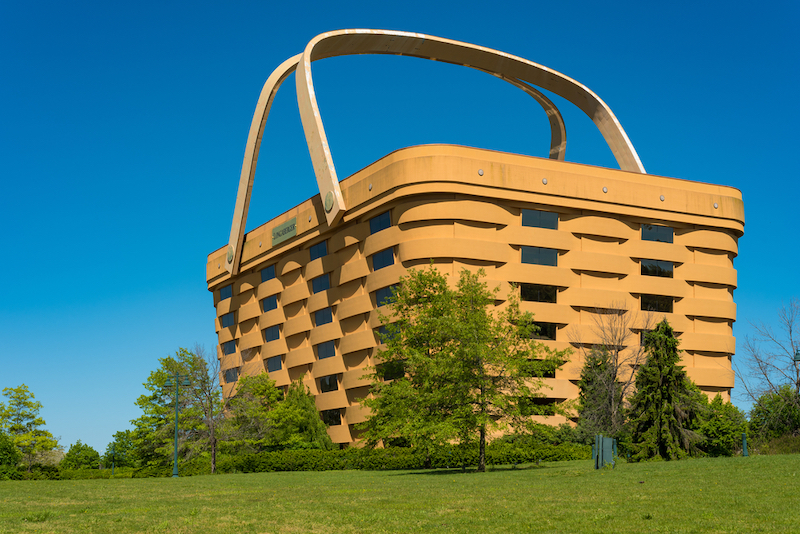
(323, 316)
(663, 234)
(382, 259)
(540, 256)
(537, 406)
(326, 350)
(268, 273)
(546, 331)
(328, 383)
(270, 303)
(391, 370)
(229, 347)
(231, 375)
(274, 364)
(540, 219)
(331, 417)
(321, 283)
(657, 268)
(380, 222)
(319, 250)
(657, 303)
(226, 292)
(538, 293)
(383, 296)
(226, 320)
(272, 333)
(383, 334)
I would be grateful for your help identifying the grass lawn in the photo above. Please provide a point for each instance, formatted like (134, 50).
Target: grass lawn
(755, 494)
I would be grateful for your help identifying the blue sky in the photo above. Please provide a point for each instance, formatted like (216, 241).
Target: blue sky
(122, 131)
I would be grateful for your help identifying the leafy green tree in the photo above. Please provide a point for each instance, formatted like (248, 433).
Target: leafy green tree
(600, 401)
(666, 403)
(20, 419)
(9, 454)
(721, 424)
(467, 366)
(121, 450)
(263, 419)
(776, 413)
(81, 456)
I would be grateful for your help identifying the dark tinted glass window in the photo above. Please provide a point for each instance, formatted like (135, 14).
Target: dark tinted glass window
(546, 331)
(319, 250)
(268, 273)
(540, 256)
(274, 364)
(331, 417)
(383, 296)
(323, 316)
(321, 283)
(229, 347)
(381, 222)
(538, 293)
(272, 333)
(657, 268)
(657, 303)
(540, 219)
(226, 320)
(270, 303)
(231, 375)
(383, 334)
(382, 259)
(651, 232)
(328, 383)
(226, 292)
(326, 350)
(537, 406)
(391, 370)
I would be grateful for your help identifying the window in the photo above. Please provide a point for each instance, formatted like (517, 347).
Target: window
(326, 350)
(657, 303)
(226, 320)
(380, 222)
(540, 256)
(231, 375)
(270, 303)
(319, 250)
(657, 268)
(383, 296)
(321, 283)
(662, 234)
(540, 219)
(268, 273)
(331, 417)
(229, 347)
(226, 292)
(546, 331)
(323, 316)
(383, 334)
(391, 370)
(537, 406)
(274, 364)
(272, 333)
(328, 383)
(382, 259)
(538, 293)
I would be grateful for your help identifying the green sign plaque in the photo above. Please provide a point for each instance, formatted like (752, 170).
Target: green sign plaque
(284, 231)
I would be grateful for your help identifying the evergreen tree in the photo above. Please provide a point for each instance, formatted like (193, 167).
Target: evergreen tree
(81, 456)
(600, 402)
(666, 403)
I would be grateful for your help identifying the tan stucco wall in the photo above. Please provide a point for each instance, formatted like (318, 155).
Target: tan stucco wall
(462, 207)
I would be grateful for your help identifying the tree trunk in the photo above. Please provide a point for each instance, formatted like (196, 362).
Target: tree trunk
(482, 453)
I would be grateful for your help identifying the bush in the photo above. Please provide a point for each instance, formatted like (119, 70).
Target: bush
(781, 445)
(9, 454)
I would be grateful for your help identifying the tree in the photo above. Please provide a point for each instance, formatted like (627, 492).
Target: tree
(81, 456)
(770, 375)
(263, 419)
(721, 425)
(121, 451)
(200, 410)
(9, 454)
(611, 358)
(467, 367)
(20, 419)
(666, 403)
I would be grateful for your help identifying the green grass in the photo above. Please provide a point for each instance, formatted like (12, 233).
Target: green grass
(755, 494)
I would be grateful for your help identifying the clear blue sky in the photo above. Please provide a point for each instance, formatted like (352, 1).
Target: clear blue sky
(123, 125)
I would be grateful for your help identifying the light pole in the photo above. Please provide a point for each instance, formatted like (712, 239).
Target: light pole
(177, 380)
